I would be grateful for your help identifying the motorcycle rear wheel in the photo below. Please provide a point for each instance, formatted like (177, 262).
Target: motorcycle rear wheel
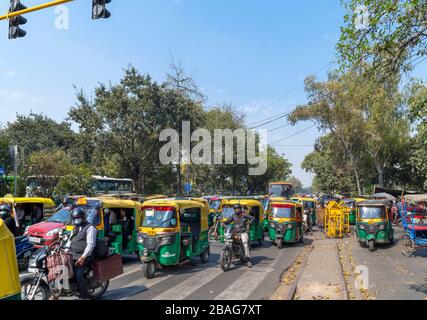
(97, 293)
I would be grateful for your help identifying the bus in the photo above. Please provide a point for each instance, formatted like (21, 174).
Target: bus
(102, 185)
(281, 189)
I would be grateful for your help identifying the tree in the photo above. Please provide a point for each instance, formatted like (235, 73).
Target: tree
(36, 132)
(78, 182)
(297, 184)
(388, 34)
(48, 167)
(124, 122)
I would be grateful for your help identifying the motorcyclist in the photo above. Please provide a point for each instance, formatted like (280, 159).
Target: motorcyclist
(241, 219)
(5, 214)
(81, 245)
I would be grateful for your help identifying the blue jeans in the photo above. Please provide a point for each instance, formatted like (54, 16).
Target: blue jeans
(80, 279)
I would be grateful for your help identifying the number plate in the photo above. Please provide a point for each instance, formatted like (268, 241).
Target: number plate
(35, 240)
(33, 270)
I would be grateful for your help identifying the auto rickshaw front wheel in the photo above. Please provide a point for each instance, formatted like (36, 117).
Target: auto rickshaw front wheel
(280, 243)
(149, 269)
(408, 245)
(371, 245)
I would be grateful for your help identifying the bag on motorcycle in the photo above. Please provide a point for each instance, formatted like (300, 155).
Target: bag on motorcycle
(59, 264)
(108, 268)
(101, 248)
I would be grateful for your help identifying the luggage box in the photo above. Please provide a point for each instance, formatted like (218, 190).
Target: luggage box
(108, 268)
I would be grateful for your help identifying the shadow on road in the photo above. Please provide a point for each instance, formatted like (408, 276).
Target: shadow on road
(421, 287)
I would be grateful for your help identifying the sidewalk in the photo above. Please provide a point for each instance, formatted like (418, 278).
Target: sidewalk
(322, 277)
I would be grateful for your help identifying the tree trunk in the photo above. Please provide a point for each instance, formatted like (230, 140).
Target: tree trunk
(380, 172)
(356, 176)
(179, 181)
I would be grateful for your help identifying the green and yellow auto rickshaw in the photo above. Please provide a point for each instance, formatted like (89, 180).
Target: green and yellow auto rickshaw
(250, 206)
(28, 211)
(267, 209)
(10, 288)
(285, 223)
(172, 232)
(373, 224)
(309, 205)
(115, 219)
(351, 204)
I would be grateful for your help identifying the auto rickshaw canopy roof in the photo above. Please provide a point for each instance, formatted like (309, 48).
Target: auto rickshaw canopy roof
(376, 203)
(113, 203)
(9, 277)
(179, 203)
(243, 202)
(287, 202)
(305, 199)
(45, 201)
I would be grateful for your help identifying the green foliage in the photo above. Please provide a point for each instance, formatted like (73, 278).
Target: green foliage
(78, 182)
(394, 37)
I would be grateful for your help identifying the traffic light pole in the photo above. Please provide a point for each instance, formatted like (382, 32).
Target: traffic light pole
(32, 9)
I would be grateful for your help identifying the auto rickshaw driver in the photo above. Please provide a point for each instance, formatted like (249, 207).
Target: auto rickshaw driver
(240, 219)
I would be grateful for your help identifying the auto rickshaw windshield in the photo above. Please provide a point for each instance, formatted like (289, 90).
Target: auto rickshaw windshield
(283, 212)
(215, 204)
(372, 212)
(308, 205)
(228, 211)
(159, 218)
(92, 209)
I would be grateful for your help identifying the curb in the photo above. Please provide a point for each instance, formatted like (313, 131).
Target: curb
(341, 276)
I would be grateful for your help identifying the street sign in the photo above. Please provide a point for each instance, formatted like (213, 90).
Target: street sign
(187, 187)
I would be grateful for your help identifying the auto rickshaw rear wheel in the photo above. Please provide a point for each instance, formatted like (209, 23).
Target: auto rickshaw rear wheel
(149, 269)
(204, 257)
(407, 245)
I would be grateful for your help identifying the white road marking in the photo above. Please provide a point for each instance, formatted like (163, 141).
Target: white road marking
(242, 288)
(147, 284)
(188, 286)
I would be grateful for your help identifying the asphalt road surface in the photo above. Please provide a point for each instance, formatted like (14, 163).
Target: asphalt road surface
(198, 281)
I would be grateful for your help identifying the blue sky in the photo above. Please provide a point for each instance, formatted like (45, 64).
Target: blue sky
(253, 54)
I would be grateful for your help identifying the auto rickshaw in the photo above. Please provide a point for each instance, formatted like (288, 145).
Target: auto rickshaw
(173, 231)
(351, 204)
(250, 206)
(10, 288)
(309, 205)
(99, 212)
(28, 211)
(373, 223)
(266, 205)
(285, 223)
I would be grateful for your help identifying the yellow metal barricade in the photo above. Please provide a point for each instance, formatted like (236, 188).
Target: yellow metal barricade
(337, 220)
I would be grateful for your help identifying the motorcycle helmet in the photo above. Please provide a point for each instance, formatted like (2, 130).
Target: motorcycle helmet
(4, 211)
(78, 216)
(237, 207)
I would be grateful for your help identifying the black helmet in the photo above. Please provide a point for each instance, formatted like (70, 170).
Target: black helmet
(78, 216)
(4, 211)
(238, 206)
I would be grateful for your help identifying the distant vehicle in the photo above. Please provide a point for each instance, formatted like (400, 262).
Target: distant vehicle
(103, 185)
(281, 189)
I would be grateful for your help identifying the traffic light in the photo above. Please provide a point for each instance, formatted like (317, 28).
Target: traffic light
(15, 22)
(99, 9)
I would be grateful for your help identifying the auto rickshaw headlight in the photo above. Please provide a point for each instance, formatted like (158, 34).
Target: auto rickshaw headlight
(272, 224)
(289, 226)
(166, 240)
(381, 227)
(140, 239)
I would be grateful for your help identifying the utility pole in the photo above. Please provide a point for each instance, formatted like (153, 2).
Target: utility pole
(15, 169)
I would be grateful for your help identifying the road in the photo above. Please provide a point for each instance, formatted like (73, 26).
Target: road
(392, 276)
(208, 282)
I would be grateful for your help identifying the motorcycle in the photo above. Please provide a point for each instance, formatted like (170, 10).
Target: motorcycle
(214, 230)
(37, 287)
(233, 247)
(24, 250)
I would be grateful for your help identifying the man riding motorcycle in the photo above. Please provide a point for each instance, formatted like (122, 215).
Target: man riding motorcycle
(240, 219)
(81, 245)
